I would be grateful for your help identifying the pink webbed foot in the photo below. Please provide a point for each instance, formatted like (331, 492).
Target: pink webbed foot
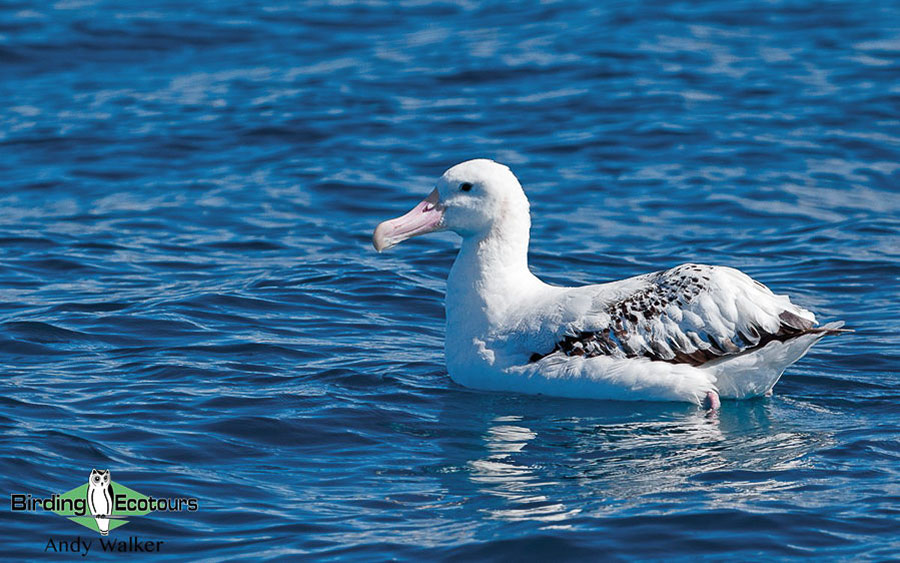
(712, 402)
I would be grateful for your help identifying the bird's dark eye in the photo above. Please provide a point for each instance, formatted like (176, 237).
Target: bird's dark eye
(465, 186)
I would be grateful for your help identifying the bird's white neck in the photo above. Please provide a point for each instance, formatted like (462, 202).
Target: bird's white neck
(490, 274)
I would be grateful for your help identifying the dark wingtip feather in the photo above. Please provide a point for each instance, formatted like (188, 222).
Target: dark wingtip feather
(795, 322)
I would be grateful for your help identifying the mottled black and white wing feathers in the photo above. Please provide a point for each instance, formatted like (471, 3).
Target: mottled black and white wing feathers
(692, 314)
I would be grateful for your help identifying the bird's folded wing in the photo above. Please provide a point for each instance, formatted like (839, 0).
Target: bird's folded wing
(691, 314)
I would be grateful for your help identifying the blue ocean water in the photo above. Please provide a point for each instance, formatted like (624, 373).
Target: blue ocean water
(189, 297)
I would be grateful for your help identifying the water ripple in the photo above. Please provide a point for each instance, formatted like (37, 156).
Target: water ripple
(188, 294)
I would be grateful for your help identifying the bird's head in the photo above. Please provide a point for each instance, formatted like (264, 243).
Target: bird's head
(470, 199)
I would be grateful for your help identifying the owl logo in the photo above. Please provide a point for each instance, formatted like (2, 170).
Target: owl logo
(99, 498)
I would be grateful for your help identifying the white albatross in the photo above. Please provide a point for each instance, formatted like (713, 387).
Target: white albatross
(694, 333)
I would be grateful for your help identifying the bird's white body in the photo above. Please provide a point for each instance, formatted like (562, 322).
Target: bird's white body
(684, 334)
(491, 335)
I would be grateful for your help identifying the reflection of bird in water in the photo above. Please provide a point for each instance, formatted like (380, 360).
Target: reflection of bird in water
(518, 484)
(592, 462)
(723, 460)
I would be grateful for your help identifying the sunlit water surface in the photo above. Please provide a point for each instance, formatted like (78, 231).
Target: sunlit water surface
(189, 297)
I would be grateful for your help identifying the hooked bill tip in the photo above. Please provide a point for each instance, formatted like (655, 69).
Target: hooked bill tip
(380, 239)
